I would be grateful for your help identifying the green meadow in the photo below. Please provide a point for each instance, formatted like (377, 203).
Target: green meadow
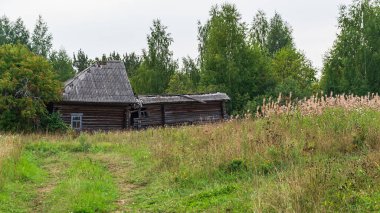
(319, 163)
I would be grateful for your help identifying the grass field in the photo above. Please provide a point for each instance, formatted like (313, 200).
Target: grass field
(297, 163)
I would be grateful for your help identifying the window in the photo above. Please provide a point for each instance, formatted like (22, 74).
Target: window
(76, 120)
(143, 114)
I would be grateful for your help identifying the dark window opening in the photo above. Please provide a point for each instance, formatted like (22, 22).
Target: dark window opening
(76, 121)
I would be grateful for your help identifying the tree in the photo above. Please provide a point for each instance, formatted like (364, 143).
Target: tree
(132, 62)
(114, 56)
(352, 65)
(62, 65)
(27, 83)
(13, 32)
(292, 71)
(5, 31)
(191, 69)
(81, 61)
(187, 80)
(279, 34)
(101, 60)
(158, 65)
(228, 64)
(180, 83)
(259, 30)
(41, 39)
(20, 33)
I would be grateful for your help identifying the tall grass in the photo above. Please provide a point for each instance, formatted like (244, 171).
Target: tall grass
(317, 104)
(19, 175)
(10, 152)
(321, 155)
(325, 162)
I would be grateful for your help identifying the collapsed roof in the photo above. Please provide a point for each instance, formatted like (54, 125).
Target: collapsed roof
(202, 98)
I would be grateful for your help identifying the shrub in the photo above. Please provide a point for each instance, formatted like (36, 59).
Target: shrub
(27, 83)
(53, 123)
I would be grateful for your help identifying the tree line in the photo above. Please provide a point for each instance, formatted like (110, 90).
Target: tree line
(248, 61)
(245, 61)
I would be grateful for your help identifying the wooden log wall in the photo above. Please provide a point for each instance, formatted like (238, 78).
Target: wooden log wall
(96, 117)
(154, 117)
(178, 113)
(193, 112)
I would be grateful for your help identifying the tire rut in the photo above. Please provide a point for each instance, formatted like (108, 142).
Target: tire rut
(119, 167)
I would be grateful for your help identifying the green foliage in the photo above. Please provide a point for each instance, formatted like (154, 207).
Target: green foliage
(351, 66)
(227, 62)
(53, 123)
(131, 62)
(27, 83)
(81, 61)
(292, 71)
(41, 42)
(289, 70)
(270, 35)
(180, 83)
(248, 65)
(279, 35)
(62, 65)
(191, 69)
(114, 56)
(13, 32)
(5, 31)
(158, 65)
(259, 31)
(187, 80)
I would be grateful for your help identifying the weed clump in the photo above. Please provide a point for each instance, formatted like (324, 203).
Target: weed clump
(84, 145)
(234, 166)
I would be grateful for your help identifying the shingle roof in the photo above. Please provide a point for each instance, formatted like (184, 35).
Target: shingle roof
(151, 99)
(100, 84)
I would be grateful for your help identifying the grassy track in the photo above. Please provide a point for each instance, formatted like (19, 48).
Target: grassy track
(328, 162)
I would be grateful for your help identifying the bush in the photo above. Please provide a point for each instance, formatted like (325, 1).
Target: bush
(27, 83)
(53, 123)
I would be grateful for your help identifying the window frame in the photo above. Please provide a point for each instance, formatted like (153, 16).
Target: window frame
(80, 115)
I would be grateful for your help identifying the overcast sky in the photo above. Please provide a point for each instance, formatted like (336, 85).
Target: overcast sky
(101, 26)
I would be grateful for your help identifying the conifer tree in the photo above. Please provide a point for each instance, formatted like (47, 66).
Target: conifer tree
(41, 43)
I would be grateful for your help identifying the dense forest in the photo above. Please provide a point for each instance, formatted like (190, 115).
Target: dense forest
(248, 61)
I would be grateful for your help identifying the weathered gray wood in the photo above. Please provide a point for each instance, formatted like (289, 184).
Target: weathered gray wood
(181, 113)
(163, 114)
(106, 83)
(95, 117)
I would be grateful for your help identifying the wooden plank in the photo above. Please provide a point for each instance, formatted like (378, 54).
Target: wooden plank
(163, 114)
(95, 117)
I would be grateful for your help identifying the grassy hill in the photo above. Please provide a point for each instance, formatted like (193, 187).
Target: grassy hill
(327, 162)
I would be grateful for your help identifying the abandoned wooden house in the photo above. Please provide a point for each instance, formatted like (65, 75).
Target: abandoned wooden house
(101, 98)
(177, 109)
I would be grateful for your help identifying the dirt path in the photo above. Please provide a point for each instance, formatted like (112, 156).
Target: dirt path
(55, 170)
(119, 166)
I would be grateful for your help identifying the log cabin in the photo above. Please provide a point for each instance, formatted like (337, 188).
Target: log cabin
(101, 98)
(98, 98)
